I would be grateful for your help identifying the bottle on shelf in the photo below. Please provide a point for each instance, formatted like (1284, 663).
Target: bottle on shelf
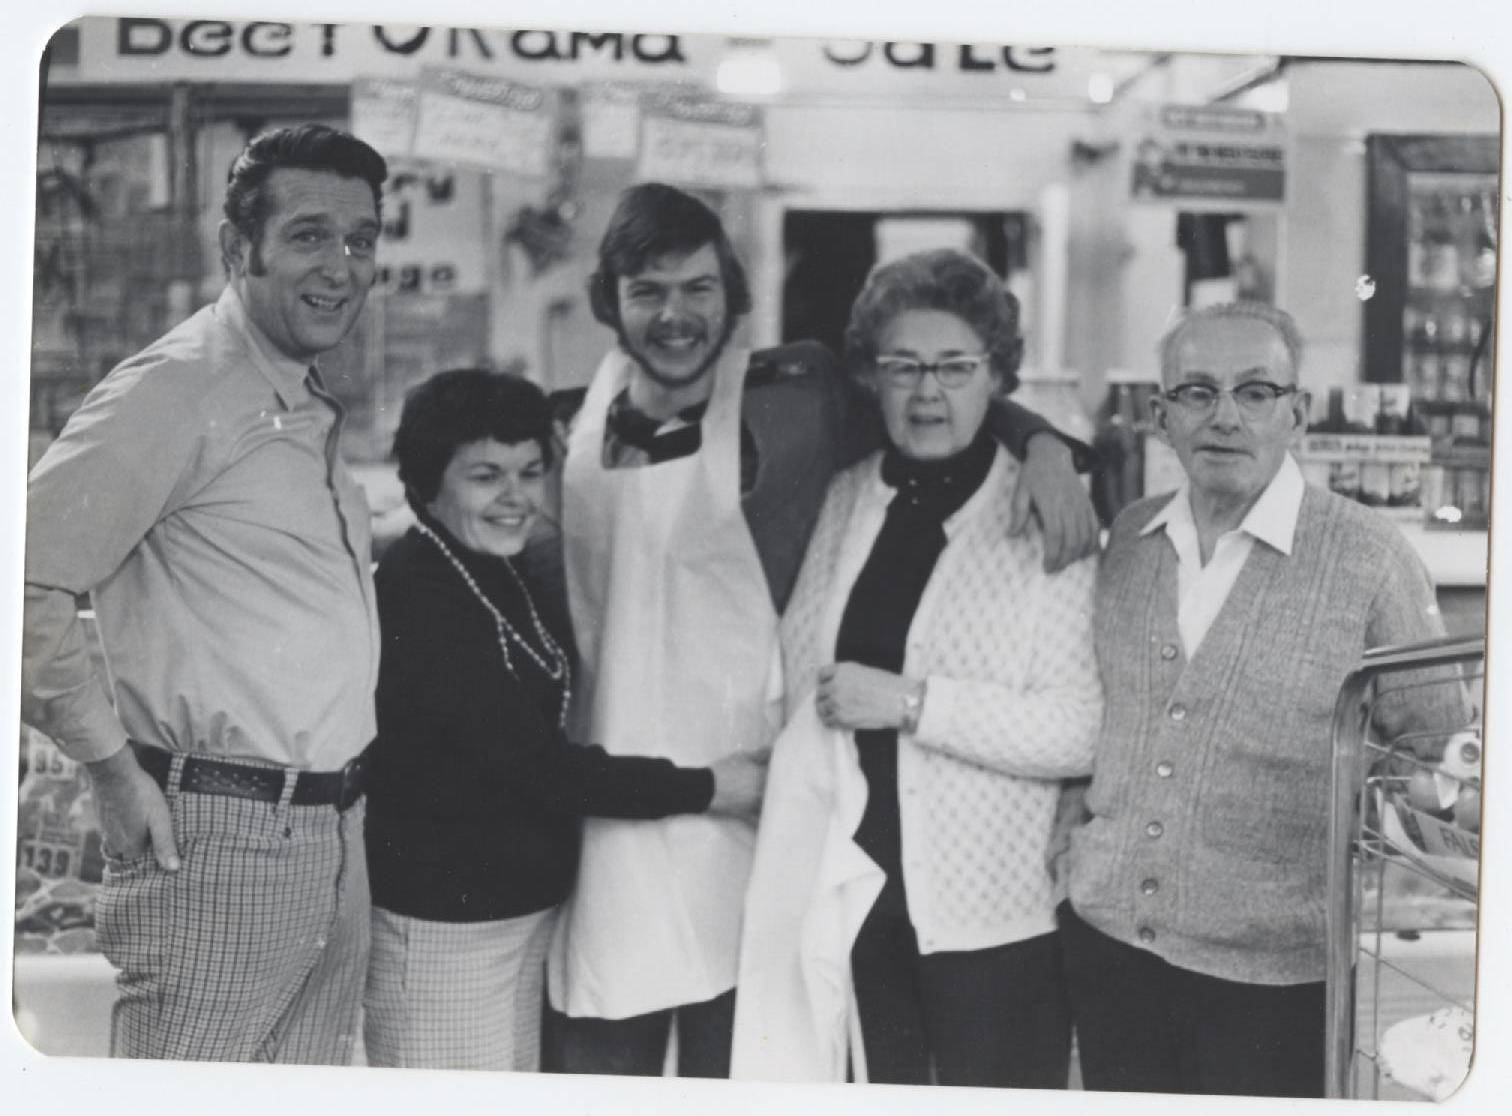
(1440, 250)
(1118, 478)
(1333, 421)
(1454, 355)
(1396, 401)
(1423, 347)
(1417, 244)
(1482, 270)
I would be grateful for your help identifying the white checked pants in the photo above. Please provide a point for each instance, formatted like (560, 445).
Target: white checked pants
(255, 950)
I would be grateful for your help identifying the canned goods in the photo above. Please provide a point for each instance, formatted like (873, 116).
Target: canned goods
(1375, 483)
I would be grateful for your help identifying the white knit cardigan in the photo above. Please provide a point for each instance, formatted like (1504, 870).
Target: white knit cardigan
(1013, 702)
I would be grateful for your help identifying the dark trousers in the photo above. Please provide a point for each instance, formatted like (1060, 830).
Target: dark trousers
(993, 1017)
(638, 1046)
(1146, 1026)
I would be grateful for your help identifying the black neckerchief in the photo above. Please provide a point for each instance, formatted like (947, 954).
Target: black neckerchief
(937, 488)
(634, 427)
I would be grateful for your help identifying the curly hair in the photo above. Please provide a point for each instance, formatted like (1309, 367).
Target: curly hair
(460, 406)
(1273, 316)
(937, 279)
(314, 147)
(653, 220)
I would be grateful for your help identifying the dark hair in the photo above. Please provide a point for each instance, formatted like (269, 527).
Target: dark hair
(458, 407)
(301, 147)
(938, 279)
(653, 220)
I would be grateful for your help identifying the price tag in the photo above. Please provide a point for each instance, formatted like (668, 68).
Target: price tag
(50, 861)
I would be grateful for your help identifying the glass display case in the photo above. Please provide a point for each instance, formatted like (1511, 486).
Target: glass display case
(1431, 251)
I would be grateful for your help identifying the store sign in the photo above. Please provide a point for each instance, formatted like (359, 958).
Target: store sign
(701, 143)
(489, 122)
(1211, 153)
(431, 218)
(166, 50)
(159, 50)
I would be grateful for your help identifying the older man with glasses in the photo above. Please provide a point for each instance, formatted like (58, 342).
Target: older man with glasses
(1228, 615)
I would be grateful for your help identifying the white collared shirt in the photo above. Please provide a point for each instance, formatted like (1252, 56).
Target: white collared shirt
(1201, 590)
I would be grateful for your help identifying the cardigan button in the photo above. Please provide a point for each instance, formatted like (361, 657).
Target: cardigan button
(1154, 829)
(1149, 886)
(1165, 768)
(1178, 712)
(1168, 652)
(1146, 935)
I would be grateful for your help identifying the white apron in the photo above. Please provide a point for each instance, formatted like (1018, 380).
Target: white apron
(811, 889)
(678, 643)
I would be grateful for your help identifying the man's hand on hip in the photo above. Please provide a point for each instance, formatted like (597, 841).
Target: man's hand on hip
(134, 815)
(1049, 485)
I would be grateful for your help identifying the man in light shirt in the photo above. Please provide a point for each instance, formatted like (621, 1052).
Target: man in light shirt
(199, 498)
(1227, 617)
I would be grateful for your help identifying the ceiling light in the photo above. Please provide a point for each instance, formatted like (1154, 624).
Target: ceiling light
(1273, 96)
(749, 70)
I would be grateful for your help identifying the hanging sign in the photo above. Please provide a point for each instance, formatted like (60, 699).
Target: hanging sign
(701, 143)
(1210, 153)
(485, 121)
(383, 113)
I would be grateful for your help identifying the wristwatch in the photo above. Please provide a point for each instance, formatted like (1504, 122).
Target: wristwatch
(913, 709)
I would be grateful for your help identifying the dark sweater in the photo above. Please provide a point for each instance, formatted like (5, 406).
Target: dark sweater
(879, 613)
(474, 795)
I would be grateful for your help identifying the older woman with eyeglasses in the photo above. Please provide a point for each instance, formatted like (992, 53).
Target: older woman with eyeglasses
(940, 685)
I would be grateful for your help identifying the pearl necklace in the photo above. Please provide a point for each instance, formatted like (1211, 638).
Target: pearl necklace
(558, 669)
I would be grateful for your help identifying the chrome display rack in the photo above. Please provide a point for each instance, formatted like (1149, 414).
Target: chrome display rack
(1402, 931)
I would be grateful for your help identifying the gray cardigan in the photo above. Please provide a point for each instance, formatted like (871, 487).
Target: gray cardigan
(1210, 795)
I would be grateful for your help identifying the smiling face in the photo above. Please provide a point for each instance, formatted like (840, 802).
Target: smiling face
(490, 495)
(305, 280)
(927, 421)
(674, 319)
(1230, 457)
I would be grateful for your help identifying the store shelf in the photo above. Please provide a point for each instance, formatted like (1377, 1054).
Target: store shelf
(1455, 559)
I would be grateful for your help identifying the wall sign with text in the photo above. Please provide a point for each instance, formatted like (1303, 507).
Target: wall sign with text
(1209, 153)
(484, 121)
(701, 143)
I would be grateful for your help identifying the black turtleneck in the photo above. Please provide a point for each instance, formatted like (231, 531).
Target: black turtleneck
(474, 796)
(874, 627)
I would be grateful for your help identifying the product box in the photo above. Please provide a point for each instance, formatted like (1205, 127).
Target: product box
(1382, 470)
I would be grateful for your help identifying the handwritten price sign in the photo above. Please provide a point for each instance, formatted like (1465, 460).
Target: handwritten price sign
(383, 113)
(485, 121)
(702, 144)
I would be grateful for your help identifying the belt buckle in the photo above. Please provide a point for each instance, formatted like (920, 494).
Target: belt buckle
(351, 783)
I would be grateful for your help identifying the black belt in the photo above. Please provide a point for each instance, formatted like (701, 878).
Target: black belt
(203, 775)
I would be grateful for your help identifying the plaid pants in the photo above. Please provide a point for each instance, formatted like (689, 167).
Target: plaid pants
(456, 995)
(255, 950)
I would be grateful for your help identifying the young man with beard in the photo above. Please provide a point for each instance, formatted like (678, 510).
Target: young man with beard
(199, 497)
(693, 477)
